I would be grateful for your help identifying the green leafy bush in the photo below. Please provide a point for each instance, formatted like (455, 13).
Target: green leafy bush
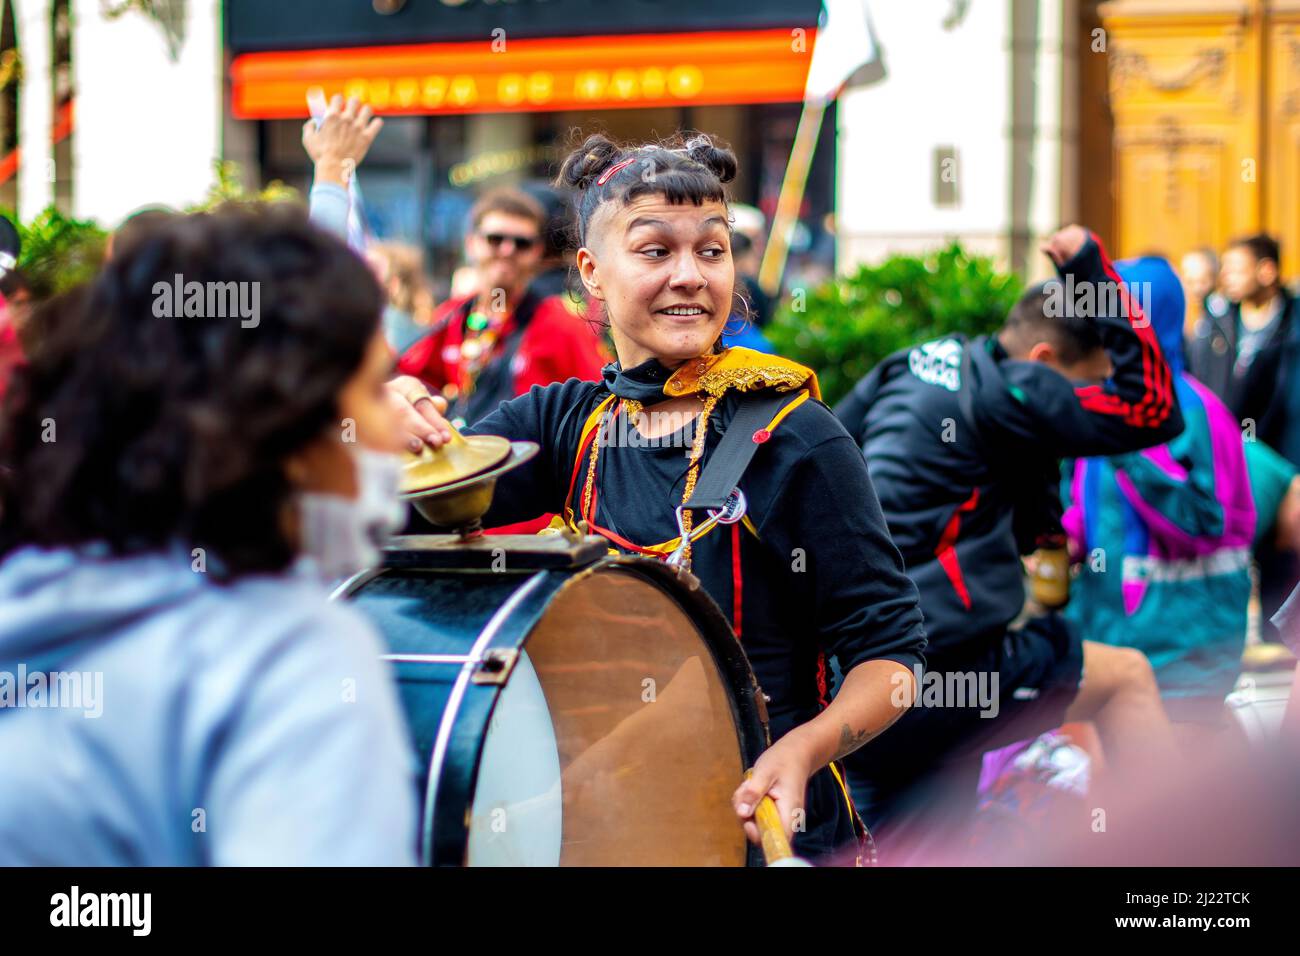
(58, 251)
(852, 322)
(228, 187)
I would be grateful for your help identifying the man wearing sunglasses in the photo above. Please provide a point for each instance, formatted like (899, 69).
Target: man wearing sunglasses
(504, 337)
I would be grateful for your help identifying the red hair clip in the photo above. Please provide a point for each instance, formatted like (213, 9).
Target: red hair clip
(604, 177)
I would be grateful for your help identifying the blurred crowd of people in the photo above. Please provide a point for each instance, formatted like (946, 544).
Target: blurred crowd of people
(1243, 344)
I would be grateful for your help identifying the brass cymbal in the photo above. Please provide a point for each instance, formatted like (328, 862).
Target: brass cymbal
(461, 458)
(460, 504)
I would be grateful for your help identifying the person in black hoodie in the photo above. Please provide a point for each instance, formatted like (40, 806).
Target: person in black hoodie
(963, 441)
(1249, 355)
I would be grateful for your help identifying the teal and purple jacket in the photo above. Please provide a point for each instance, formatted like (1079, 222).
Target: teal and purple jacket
(1164, 534)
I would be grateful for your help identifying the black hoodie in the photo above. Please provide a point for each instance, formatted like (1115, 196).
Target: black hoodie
(963, 444)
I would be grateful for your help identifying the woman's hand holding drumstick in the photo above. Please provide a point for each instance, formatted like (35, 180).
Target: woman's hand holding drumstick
(874, 694)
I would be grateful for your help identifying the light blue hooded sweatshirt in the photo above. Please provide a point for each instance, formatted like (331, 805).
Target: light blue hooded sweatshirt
(247, 724)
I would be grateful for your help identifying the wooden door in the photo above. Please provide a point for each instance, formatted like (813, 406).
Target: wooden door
(1185, 86)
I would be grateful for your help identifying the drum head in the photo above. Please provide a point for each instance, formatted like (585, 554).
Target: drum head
(616, 741)
(517, 818)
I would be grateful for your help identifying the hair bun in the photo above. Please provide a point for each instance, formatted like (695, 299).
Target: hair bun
(582, 167)
(719, 161)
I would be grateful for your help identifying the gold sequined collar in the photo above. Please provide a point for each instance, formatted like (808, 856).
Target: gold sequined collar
(742, 369)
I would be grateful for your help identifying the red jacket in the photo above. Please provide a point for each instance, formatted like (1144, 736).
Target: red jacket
(556, 345)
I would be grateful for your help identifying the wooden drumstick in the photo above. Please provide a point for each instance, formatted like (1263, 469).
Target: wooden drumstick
(771, 833)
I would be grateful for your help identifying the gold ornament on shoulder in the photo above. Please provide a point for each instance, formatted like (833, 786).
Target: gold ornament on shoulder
(717, 381)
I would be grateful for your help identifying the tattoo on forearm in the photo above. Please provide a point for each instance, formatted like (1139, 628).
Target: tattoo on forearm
(850, 740)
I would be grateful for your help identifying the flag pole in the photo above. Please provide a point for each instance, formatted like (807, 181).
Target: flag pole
(845, 44)
(791, 197)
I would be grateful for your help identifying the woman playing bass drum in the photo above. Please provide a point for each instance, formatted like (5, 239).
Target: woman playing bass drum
(810, 572)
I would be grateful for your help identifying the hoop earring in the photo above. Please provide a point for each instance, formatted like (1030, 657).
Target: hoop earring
(748, 314)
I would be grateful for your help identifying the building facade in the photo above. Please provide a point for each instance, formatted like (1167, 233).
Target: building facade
(970, 134)
(479, 94)
(118, 104)
(1164, 124)
(112, 105)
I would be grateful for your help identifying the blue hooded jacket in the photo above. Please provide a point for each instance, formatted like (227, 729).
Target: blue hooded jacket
(246, 724)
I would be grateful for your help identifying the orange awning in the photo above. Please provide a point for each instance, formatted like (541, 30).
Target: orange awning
(609, 72)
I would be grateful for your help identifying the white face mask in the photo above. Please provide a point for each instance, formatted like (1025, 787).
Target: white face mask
(342, 536)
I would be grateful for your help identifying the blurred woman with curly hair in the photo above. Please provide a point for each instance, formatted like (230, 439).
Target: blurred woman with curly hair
(178, 486)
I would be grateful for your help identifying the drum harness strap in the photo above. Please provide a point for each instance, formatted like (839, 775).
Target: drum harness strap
(709, 489)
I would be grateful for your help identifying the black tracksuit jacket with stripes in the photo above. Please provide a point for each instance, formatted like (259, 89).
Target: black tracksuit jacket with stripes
(963, 445)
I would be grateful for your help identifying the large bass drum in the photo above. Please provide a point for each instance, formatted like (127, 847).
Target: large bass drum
(567, 708)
